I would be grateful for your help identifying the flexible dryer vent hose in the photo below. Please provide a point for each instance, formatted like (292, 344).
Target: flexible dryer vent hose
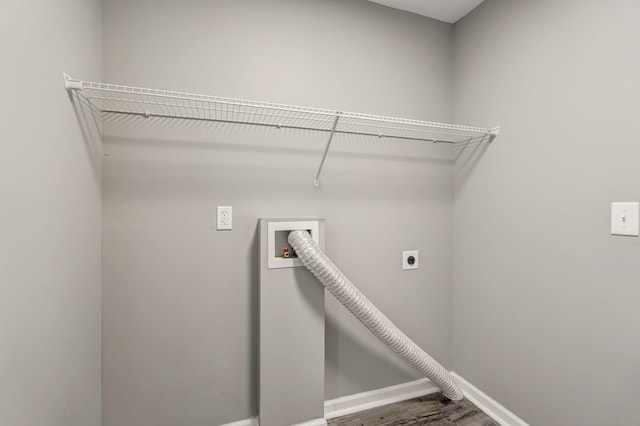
(342, 289)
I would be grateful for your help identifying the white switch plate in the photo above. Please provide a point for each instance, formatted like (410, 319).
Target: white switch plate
(625, 219)
(405, 259)
(225, 217)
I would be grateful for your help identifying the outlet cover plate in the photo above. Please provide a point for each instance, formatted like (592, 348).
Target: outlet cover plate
(225, 218)
(405, 259)
(625, 219)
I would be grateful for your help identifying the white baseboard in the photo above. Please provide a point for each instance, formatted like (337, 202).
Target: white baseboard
(366, 400)
(314, 422)
(484, 402)
(389, 395)
(363, 401)
(254, 421)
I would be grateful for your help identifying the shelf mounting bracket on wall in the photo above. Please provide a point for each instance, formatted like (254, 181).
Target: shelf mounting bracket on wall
(70, 83)
(494, 132)
(316, 181)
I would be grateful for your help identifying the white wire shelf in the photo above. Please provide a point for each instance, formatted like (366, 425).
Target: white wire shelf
(137, 101)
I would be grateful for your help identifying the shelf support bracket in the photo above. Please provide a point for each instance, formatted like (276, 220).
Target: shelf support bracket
(316, 181)
(494, 133)
(70, 83)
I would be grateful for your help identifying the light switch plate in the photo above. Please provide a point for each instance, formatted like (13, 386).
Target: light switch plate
(625, 219)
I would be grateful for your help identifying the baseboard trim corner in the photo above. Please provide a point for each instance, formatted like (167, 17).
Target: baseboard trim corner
(491, 407)
(366, 400)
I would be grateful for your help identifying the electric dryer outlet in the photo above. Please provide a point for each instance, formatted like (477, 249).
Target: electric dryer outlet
(410, 259)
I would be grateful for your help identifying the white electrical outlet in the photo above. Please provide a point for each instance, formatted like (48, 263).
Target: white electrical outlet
(410, 259)
(225, 217)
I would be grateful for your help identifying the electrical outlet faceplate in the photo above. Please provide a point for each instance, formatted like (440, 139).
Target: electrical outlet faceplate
(225, 217)
(410, 259)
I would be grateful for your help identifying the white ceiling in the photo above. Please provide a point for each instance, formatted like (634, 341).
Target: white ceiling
(442, 10)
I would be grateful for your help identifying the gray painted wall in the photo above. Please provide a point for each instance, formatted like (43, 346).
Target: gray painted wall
(180, 298)
(50, 217)
(545, 300)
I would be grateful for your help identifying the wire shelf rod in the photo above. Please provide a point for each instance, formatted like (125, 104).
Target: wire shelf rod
(219, 110)
(282, 118)
(206, 98)
(285, 126)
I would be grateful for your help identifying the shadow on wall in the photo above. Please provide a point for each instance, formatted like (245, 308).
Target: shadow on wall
(339, 338)
(362, 358)
(157, 167)
(192, 133)
(90, 126)
(254, 319)
(467, 160)
(299, 272)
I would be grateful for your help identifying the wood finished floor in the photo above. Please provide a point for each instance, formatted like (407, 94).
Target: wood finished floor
(432, 410)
